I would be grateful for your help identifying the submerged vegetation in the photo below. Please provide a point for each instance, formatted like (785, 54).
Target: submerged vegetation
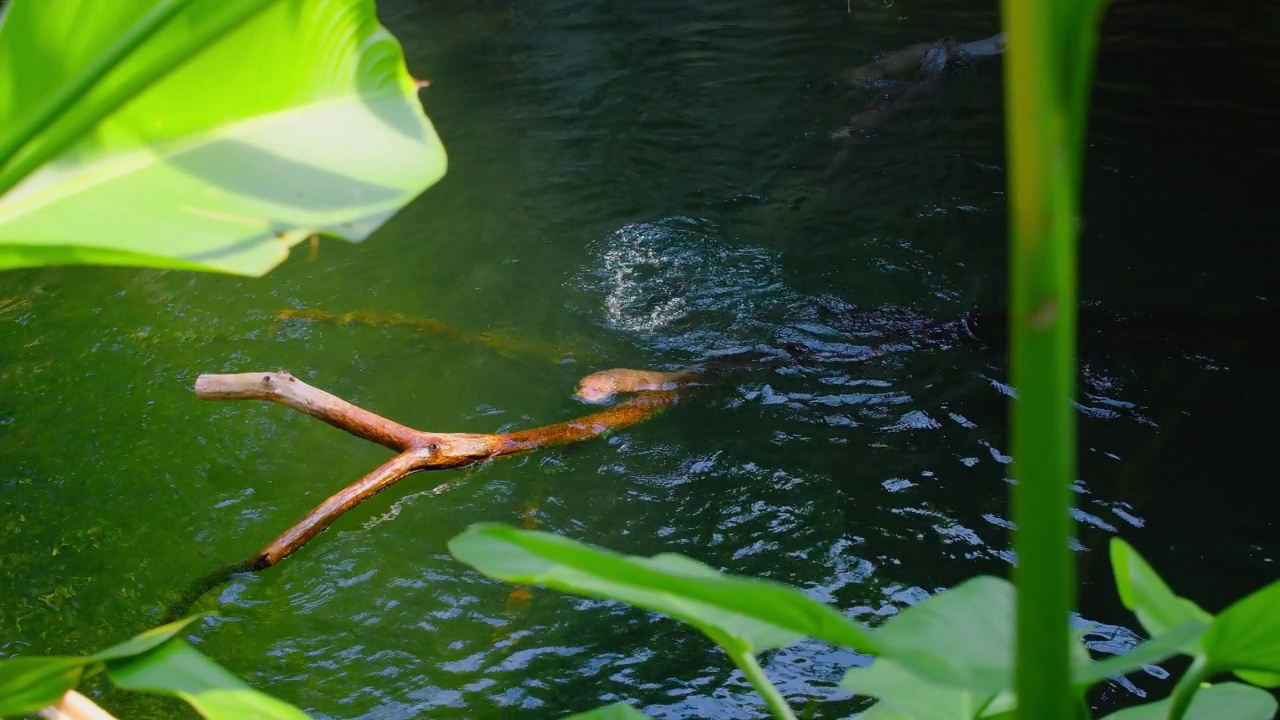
(112, 119)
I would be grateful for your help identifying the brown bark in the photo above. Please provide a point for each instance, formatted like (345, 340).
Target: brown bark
(418, 450)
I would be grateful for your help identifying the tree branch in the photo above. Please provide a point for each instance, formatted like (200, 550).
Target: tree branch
(418, 450)
(281, 387)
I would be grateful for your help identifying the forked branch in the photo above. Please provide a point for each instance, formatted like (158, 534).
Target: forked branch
(417, 450)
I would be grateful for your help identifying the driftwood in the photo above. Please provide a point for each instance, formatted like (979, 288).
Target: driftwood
(417, 450)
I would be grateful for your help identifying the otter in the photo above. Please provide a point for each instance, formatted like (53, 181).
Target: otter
(916, 72)
(601, 387)
(985, 330)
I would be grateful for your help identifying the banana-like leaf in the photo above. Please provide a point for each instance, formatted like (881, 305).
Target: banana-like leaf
(201, 134)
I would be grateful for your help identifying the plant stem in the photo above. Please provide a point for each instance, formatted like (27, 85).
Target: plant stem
(1043, 197)
(746, 661)
(1186, 688)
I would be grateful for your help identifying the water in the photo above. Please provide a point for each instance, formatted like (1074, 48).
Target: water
(641, 185)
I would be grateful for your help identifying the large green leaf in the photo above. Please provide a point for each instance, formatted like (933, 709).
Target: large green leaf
(217, 139)
(616, 711)
(962, 637)
(757, 614)
(30, 683)
(1246, 637)
(176, 668)
(1218, 702)
(146, 641)
(1142, 591)
(909, 695)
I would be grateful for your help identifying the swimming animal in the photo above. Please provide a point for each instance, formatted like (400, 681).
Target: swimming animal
(602, 386)
(910, 73)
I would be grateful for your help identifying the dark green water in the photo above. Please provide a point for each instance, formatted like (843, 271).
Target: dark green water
(640, 184)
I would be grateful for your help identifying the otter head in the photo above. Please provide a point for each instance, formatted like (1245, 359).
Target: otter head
(598, 387)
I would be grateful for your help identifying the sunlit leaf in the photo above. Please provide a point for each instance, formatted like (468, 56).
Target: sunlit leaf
(1146, 594)
(757, 613)
(911, 696)
(1218, 702)
(616, 711)
(176, 668)
(235, 131)
(30, 683)
(1161, 647)
(1246, 637)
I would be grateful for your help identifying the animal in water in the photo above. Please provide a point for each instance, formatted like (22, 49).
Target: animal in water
(603, 386)
(986, 330)
(905, 75)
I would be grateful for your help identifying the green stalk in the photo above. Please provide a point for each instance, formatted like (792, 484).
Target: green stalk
(746, 661)
(36, 144)
(1186, 688)
(1043, 197)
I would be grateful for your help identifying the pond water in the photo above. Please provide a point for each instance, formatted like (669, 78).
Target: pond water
(646, 184)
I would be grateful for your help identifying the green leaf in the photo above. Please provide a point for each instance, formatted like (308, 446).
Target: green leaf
(616, 711)
(911, 696)
(881, 711)
(962, 637)
(182, 153)
(30, 683)
(1264, 679)
(1246, 637)
(176, 668)
(1142, 591)
(1158, 648)
(1217, 702)
(148, 640)
(757, 613)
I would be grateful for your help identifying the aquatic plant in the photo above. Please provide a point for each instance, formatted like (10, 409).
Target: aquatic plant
(146, 115)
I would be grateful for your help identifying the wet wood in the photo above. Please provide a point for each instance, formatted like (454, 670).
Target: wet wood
(74, 706)
(418, 450)
(281, 387)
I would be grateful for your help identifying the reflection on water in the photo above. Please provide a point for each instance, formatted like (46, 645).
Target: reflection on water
(639, 185)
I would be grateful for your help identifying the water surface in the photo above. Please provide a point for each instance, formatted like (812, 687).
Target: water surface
(645, 184)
